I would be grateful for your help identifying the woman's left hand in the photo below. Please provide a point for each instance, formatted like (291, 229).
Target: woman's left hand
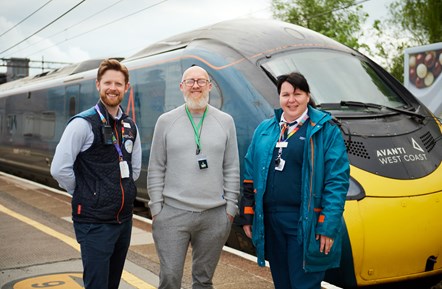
(325, 243)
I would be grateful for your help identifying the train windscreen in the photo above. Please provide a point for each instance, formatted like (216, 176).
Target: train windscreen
(335, 76)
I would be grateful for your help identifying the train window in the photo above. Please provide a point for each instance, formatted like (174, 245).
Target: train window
(28, 124)
(155, 90)
(215, 99)
(88, 95)
(72, 108)
(39, 125)
(47, 125)
(11, 123)
(174, 97)
(56, 102)
(334, 77)
(73, 93)
(149, 90)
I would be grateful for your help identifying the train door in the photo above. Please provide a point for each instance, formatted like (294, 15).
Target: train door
(72, 100)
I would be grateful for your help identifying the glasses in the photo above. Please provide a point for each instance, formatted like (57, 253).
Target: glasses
(191, 82)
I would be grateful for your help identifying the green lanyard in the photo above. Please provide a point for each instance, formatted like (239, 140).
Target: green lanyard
(196, 129)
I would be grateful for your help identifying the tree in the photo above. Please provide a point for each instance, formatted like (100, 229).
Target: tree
(338, 19)
(421, 18)
(411, 23)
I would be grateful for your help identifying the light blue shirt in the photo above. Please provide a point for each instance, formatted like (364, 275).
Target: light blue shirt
(76, 138)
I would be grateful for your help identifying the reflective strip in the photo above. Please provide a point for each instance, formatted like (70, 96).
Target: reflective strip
(248, 181)
(249, 211)
(321, 218)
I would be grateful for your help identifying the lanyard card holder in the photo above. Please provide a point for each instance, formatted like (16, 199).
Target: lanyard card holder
(202, 162)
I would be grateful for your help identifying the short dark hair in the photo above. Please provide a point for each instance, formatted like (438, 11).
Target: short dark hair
(112, 64)
(297, 80)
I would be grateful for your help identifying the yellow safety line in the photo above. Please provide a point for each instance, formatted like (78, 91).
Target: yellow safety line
(128, 277)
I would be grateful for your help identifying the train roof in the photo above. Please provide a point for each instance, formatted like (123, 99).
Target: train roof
(237, 34)
(54, 74)
(268, 36)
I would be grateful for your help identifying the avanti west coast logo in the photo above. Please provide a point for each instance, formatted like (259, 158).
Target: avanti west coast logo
(395, 155)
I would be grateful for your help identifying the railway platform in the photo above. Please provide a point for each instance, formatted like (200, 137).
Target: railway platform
(38, 247)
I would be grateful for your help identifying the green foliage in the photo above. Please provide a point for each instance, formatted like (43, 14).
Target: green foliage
(389, 46)
(411, 23)
(421, 18)
(338, 19)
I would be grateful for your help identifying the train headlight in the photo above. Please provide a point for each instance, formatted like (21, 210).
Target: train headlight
(355, 190)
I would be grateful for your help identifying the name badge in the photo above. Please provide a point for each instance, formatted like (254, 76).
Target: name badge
(280, 165)
(281, 144)
(124, 169)
(202, 162)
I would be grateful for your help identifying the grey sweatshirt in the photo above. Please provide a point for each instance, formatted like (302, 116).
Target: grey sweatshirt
(174, 176)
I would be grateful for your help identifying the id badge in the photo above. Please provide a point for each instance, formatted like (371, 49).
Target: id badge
(280, 165)
(202, 162)
(281, 144)
(124, 169)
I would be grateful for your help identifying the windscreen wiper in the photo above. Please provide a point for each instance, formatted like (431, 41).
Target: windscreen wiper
(380, 107)
(269, 74)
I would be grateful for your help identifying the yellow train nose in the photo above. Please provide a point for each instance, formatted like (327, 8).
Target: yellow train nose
(395, 237)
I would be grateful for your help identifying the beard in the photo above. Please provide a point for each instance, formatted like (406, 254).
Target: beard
(112, 102)
(197, 104)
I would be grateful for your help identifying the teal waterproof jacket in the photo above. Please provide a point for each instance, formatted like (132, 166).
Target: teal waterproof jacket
(325, 175)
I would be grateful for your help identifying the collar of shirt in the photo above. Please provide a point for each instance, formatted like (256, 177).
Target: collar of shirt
(291, 128)
(119, 114)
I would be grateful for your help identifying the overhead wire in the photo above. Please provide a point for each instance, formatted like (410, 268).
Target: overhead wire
(103, 25)
(70, 27)
(113, 21)
(59, 17)
(317, 15)
(25, 18)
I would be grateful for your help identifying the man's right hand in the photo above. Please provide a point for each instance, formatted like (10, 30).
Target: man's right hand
(248, 230)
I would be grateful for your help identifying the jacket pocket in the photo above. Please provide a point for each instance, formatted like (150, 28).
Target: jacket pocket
(315, 260)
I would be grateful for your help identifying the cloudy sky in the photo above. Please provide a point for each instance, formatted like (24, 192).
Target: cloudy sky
(76, 30)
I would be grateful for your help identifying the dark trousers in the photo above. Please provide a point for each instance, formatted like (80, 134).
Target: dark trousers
(103, 252)
(285, 254)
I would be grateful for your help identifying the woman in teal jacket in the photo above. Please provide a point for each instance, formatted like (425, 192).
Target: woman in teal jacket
(295, 184)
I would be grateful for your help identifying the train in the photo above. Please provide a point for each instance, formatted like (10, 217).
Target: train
(392, 218)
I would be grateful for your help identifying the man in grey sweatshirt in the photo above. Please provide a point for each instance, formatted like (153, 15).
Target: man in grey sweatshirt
(193, 183)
